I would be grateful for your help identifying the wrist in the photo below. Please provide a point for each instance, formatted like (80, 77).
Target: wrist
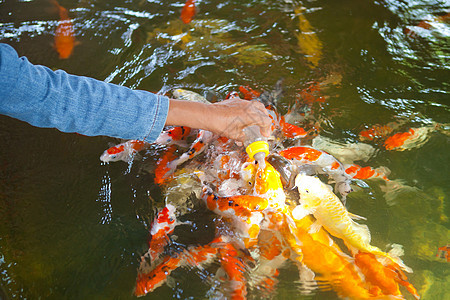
(190, 114)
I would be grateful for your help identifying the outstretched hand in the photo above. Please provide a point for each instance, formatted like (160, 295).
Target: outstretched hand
(226, 118)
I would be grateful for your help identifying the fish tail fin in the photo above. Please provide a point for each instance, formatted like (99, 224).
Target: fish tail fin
(363, 231)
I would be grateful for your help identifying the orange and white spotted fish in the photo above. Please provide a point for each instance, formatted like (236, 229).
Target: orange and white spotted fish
(358, 172)
(324, 163)
(124, 151)
(378, 131)
(162, 170)
(413, 138)
(199, 145)
(162, 226)
(176, 135)
(148, 281)
(244, 212)
(291, 130)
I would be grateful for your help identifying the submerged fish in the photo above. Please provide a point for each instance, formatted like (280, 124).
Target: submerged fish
(324, 162)
(64, 34)
(345, 152)
(182, 94)
(358, 172)
(308, 41)
(123, 151)
(188, 11)
(413, 138)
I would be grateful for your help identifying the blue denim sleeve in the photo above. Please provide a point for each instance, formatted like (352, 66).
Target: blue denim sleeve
(45, 98)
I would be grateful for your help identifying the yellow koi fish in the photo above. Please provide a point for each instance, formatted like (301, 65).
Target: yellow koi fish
(317, 199)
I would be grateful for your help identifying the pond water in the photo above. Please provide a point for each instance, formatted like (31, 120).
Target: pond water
(74, 228)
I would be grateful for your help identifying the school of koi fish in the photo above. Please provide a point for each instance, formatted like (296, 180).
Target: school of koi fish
(287, 212)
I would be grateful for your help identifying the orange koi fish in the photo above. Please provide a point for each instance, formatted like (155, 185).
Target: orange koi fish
(147, 282)
(376, 132)
(444, 252)
(332, 266)
(358, 172)
(234, 268)
(163, 171)
(249, 93)
(325, 163)
(310, 95)
(384, 279)
(64, 34)
(123, 151)
(292, 131)
(414, 137)
(188, 11)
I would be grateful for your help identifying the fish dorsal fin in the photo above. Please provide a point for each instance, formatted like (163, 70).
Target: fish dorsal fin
(363, 231)
(356, 217)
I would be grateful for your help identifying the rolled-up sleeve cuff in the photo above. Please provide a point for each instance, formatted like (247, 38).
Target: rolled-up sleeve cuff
(157, 119)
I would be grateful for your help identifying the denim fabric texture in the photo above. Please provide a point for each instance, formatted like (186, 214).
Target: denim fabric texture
(45, 98)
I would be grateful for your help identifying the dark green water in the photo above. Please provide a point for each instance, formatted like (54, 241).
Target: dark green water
(72, 228)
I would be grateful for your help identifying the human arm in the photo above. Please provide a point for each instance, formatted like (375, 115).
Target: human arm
(227, 118)
(45, 98)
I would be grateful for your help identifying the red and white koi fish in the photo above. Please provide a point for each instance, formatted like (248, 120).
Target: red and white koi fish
(203, 139)
(244, 211)
(199, 256)
(234, 268)
(358, 172)
(188, 11)
(325, 163)
(147, 282)
(64, 34)
(413, 138)
(162, 226)
(175, 135)
(378, 131)
(272, 255)
(123, 151)
(162, 170)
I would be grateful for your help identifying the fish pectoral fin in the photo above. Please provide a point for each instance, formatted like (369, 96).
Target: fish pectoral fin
(356, 217)
(315, 227)
(299, 212)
